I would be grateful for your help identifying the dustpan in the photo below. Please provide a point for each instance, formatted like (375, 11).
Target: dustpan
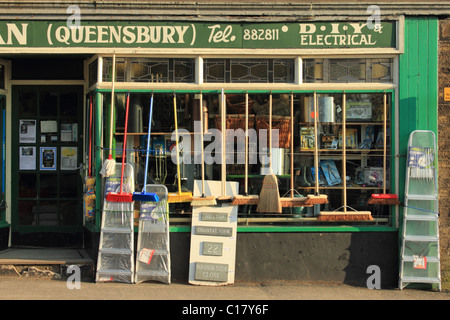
(144, 195)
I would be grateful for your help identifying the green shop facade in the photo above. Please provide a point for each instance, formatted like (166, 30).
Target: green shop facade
(56, 84)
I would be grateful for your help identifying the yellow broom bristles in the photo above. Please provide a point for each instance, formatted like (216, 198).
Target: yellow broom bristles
(179, 197)
(269, 198)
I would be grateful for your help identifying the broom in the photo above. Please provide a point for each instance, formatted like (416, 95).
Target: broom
(203, 200)
(269, 198)
(122, 196)
(316, 198)
(109, 165)
(178, 196)
(345, 215)
(292, 201)
(147, 196)
(245, 199)
(384, 198)
(223, 198)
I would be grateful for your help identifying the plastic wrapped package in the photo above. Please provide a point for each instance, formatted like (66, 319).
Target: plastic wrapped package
(153, 247)
(116, 250)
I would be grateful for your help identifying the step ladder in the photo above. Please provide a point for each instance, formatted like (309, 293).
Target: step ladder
(420, 258)
(116, 248)
(153, 244)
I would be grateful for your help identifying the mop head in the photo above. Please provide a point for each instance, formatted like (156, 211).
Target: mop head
(119, 197)
(345, 216)
(316, 199)
(269, 198)
(245, 200)
(109, 167)
(384, 199)
(203, 201)
(145, 196)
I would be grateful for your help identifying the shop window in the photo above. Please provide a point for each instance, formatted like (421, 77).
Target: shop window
(249, 70)
(348, 173)
(150, 70)
(93, 73)
(347, 70)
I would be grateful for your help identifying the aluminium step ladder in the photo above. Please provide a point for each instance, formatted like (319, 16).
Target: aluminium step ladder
(116, 248)
(153, 244)
(420, 257)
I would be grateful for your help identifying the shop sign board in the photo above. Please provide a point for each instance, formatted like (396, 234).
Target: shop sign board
(213, 245)
(152, 34)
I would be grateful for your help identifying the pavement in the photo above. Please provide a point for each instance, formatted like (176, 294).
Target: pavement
(30, 288)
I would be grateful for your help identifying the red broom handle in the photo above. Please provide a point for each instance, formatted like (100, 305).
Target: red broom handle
(124, 141)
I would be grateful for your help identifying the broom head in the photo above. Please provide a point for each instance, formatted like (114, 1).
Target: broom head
(345, 216)
(269, 198)
(119, 197)
(384, 198)
(203, 201)
(145, 196)
(316, 199)
(178, 197)
(294, 202)
(245, 200)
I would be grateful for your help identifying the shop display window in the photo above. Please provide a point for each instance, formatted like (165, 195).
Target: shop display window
(2, 77)
(348, 173)
(347, 70)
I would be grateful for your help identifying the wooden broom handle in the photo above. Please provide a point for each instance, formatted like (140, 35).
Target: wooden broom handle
(201, 139)
(384, 142)
(112, 104)
(292, 146)
(246, 144)
(316, 148)
(344, 151)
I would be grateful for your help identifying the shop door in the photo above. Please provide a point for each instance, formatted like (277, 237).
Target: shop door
(45, 158)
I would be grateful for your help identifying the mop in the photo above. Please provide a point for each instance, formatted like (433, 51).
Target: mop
(246, 199)
(147, 196)
(336, 215)
(316, 198)
(109, 166)
(122, 196)
(203, 200)
(384, 198)
(269, 198)
(178, 196)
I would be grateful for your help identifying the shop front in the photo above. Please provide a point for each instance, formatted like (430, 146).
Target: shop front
(327, 106)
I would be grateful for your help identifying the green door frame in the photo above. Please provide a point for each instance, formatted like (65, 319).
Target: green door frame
(2, 159)
(15, 226)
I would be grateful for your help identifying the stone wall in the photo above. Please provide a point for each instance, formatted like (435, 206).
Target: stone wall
(444, 150)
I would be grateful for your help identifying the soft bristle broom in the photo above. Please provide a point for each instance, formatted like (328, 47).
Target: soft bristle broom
(345, 215)
(203, 200)
(122, 196)
(178, 196)
(147, 196)
(109, 165)
(316, 198)
(384, 198)
(245, 199)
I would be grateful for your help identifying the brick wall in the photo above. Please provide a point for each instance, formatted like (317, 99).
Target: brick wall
(444, 150)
